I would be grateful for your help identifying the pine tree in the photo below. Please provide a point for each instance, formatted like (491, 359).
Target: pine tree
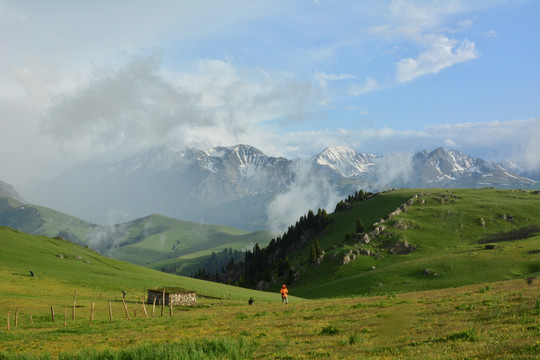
(318, 251)
(359, 226)
(313, 255)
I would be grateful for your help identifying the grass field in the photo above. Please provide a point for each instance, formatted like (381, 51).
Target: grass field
(484, 321)
(483, 303)
(489, 321)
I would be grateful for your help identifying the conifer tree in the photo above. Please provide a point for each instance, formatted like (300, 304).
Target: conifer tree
(359, 226)
(318, 250)
(313, 255)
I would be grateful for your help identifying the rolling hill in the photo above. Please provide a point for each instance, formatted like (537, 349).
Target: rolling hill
(160, 242)
(496, 320)
(428, 239)
(154, 241)
(59, 267)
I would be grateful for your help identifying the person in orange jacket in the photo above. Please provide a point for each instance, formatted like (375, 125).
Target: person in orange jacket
(284, 291)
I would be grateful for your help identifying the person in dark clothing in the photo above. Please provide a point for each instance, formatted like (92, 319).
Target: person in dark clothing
(251, 301)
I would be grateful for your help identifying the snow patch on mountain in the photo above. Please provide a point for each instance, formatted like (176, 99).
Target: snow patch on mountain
(345, 161)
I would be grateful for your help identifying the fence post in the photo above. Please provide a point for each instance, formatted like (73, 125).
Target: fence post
(31, 319)
(65, 317)
(74, 301)
(125, 308)
(91, 315)
(16, 316)
(52, 313)
(170, 305)
(154, 307)
(144, 307)
(8, 316)
(162, 301)
(110, 312)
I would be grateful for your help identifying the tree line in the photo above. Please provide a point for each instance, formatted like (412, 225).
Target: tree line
(263, 264)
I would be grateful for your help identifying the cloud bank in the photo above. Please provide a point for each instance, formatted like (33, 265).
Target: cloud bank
(441, 53)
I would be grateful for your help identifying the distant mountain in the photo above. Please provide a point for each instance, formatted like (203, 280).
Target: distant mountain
(521, 169)
(223, 185)
(9, 191)
(438, 168)
(234, 185)
(344, 162)
(449, 168)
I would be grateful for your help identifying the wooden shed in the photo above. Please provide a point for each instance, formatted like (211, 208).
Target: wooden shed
(174, 295)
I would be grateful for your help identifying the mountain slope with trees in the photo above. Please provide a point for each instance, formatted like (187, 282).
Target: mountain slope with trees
(403, 240)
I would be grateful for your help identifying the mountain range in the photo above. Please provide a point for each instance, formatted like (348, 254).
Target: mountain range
(237, 185)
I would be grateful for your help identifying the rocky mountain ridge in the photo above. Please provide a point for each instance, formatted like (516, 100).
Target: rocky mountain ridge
(236, 185)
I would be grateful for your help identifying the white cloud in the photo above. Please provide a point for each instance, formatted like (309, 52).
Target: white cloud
(306, 193)
(495, 140)
(394, 167)
(141, 104)
(368, 86)
(441, 53)
(323, 78)
(491, 34)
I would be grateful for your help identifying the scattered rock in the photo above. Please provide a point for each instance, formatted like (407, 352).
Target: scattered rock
(377, 231)
(482, 222)
(402, 248)
(365, 239)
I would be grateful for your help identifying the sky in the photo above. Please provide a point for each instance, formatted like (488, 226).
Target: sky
(105, 79)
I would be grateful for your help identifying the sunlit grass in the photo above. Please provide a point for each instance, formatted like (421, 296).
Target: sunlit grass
(490, 321)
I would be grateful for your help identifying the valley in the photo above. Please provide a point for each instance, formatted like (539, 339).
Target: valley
(466, 286)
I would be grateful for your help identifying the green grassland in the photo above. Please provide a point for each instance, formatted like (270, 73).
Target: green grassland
(483, 304)
(153, 241)
(444, 226)
(161, 239)
(59, 265)
(498, 320)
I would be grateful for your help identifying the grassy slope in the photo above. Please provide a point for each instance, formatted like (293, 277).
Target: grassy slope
(447, 228)
(188, 262)
(486, 321)
(158, 240)
(81, 269)
(153, 239)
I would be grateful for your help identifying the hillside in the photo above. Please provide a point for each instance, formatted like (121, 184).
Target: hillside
(180, 247)
(155, 241)
(493, 320)
(60, 267)
(486, 321)
(442, 238)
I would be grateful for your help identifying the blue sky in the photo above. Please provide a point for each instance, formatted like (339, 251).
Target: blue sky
(92, 78)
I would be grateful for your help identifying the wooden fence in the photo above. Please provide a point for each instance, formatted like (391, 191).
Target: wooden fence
(139, 303)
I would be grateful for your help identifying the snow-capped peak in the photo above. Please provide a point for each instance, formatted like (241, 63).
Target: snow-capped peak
(344, 161)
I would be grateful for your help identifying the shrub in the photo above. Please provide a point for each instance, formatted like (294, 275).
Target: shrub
(465, 335)
(330, 330)
(354, 339)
